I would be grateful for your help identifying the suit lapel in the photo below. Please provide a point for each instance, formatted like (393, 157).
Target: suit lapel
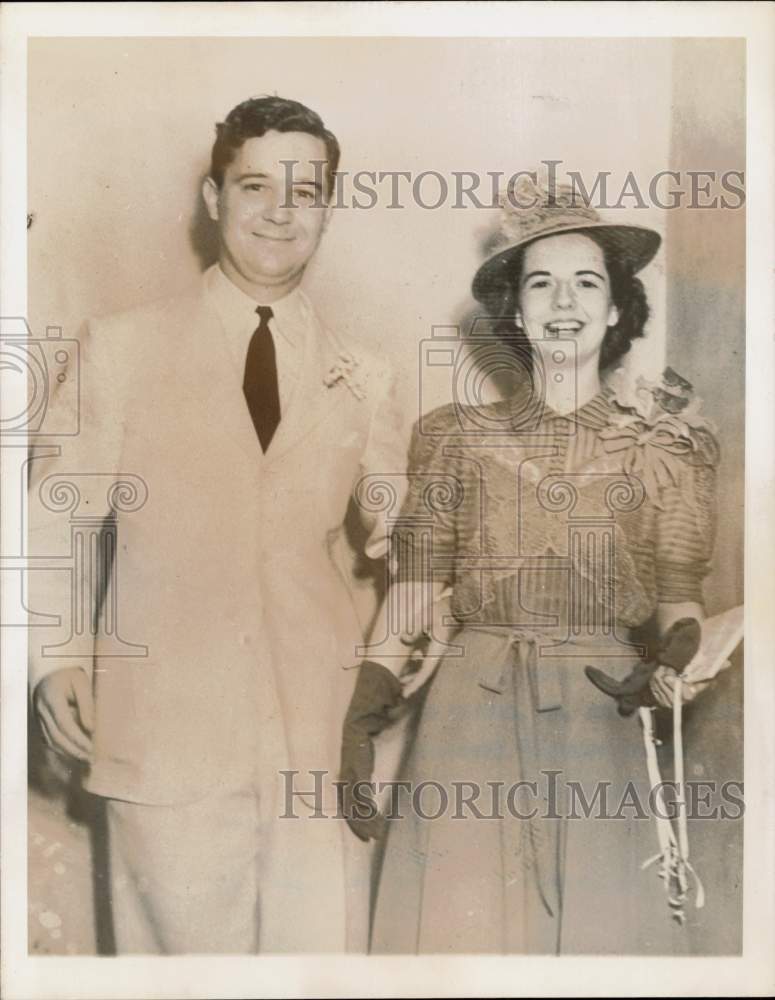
(313, 401)
(212, 381)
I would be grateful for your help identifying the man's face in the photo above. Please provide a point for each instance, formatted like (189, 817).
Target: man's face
(270, 215)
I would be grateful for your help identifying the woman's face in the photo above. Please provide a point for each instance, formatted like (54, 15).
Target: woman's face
(565, 292)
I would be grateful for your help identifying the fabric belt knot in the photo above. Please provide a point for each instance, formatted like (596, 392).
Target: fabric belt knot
(523, 650)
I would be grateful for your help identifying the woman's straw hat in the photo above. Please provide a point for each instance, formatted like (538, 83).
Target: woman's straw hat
(530, 212)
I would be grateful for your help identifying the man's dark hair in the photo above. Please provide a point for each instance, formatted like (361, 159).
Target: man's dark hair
(259, 115)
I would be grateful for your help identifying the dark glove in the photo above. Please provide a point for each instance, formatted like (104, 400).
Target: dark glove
(372, 707)
(677, 649)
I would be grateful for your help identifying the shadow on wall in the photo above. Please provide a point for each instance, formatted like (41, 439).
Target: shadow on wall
(68, 898)
(202, 233)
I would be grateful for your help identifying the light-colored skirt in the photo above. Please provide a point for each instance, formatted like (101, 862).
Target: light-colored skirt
(548, 866)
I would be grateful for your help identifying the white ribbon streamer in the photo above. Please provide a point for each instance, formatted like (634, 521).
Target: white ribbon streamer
(673, 851)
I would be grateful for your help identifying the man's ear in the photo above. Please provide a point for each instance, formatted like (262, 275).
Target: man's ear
(211, 193)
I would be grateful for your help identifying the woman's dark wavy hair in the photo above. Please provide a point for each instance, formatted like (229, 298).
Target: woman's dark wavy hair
(259, 115)
(627, 292)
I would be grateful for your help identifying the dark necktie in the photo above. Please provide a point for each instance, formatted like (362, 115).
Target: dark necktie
(260, 383)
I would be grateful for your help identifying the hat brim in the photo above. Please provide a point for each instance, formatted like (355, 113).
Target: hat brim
(634, 246)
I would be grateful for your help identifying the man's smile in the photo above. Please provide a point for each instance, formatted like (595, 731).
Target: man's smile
(274, 239)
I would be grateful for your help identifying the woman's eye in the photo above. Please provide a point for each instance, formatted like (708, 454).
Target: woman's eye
(539, 283)
(588, 283)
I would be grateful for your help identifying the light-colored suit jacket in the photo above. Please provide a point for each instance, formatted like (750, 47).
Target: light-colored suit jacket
(222, 578)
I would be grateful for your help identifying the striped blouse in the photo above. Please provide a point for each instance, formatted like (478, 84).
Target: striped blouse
(533, 517)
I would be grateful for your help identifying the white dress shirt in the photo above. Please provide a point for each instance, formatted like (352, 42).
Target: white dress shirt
(290, 327)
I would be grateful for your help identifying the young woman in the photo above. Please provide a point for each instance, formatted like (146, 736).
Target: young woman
(562, 518)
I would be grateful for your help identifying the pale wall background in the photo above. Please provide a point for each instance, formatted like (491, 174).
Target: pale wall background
(119, 138)
(121, 129)
(705, 261)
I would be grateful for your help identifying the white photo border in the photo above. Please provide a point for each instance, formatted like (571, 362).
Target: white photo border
(751, 974)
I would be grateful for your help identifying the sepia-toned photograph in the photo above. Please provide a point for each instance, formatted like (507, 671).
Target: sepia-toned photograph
(376, 428)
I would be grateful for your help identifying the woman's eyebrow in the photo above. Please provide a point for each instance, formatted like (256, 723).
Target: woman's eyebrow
(548, 274)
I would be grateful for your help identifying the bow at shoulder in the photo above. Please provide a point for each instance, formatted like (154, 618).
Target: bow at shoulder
(657, 430)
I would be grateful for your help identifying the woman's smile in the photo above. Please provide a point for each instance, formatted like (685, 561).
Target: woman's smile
(560, 327)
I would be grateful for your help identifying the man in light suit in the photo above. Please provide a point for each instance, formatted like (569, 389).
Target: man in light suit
(248, 425)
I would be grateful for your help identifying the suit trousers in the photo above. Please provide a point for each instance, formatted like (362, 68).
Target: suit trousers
(217, 877)
(184, 878)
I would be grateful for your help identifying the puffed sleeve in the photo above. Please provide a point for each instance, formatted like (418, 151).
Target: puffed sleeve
(686, 523)
(425, 539)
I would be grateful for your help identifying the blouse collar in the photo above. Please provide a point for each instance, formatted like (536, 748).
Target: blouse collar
(595, 413)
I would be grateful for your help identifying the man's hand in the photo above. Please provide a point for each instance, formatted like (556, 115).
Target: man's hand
(64, 705)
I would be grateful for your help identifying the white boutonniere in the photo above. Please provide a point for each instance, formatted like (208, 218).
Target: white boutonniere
(345, 370)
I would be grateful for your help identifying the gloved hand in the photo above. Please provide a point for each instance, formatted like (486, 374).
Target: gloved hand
(676, 650)
(377, 693)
